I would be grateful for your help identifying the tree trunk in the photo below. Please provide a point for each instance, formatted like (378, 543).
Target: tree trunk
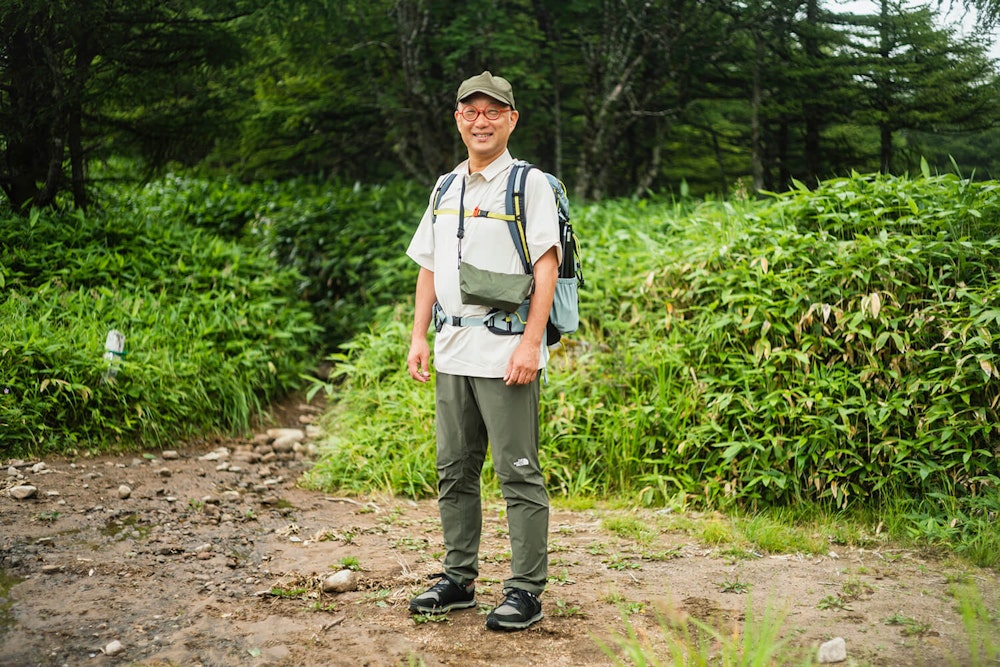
(810, 110)
(885, 137)
(756, 101)
(29, 156)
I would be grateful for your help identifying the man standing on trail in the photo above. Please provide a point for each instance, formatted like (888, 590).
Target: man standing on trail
(487, 381)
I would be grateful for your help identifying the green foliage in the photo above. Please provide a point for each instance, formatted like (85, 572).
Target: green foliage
(832, 346)
(980, 625)
(86, 80)
(694, 643)
(349, 243)
(214, 329)
(346, 242)
(369, 450)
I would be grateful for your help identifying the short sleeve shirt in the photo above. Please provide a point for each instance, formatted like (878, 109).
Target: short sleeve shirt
(487, 244)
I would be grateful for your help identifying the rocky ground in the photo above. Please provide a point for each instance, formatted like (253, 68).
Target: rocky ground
(212, 555)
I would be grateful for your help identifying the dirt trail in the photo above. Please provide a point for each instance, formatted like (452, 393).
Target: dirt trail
(216, 557)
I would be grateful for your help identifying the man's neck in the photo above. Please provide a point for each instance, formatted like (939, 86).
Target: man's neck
(478, 164)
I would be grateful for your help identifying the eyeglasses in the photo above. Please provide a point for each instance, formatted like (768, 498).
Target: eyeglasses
(472, 113)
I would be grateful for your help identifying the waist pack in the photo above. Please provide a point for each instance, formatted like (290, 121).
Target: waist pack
(564, 318)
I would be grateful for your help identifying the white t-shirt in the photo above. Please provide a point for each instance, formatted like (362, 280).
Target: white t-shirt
(474, 350)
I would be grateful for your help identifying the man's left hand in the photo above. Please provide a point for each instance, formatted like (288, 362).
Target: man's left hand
(523, 365)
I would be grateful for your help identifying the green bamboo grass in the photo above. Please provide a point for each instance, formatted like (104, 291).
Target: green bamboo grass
(214, 330)
(835, 347)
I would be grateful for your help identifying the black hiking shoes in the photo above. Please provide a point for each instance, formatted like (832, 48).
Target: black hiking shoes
(519, 610)
(443, 596)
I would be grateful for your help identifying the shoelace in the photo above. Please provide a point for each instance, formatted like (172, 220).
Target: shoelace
(517, 598)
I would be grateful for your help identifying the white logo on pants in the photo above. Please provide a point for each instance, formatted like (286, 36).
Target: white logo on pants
(520, 463)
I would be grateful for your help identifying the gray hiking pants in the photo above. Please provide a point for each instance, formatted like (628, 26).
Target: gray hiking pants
(472, 412)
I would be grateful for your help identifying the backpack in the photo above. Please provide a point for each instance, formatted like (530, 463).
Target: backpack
(564, 318)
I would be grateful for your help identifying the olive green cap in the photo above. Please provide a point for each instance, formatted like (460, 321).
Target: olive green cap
(496, 87)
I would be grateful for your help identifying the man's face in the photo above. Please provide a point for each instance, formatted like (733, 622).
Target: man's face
(486, 139)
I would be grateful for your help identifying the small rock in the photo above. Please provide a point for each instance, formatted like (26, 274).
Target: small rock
(832, 651)
(124, 491)
(50, 569)
(114, 648)
(278, 433)
(247, 457)
(168, 550)
(341, 582)
(170, 455)
(12, 471)
(286, 443)
(164, 472)
(38, 467)
(204, 555)
(22, 492)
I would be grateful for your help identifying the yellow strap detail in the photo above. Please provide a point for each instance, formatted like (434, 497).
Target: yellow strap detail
(454, 211)
(500, 216)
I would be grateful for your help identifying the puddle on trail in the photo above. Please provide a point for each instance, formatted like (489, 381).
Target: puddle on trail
(7, 582)
(125, 527)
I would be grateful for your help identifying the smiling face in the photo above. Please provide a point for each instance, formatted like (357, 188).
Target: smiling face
(486, 139)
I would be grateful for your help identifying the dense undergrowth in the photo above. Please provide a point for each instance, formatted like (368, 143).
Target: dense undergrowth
(834, 347)
(227, 293)
(214, 329)
(831, 348)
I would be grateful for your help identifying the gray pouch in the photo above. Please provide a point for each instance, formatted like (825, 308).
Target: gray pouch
(506, 291)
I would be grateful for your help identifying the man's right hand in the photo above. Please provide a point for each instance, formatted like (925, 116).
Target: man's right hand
(418, 361)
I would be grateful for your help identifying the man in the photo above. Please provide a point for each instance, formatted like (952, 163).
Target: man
(487, 384)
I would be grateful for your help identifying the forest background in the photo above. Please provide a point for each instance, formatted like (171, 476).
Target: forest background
(618, 98)
(789, 225)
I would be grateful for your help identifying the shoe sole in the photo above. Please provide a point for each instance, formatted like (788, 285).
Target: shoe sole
(495, 624)
(416, 609)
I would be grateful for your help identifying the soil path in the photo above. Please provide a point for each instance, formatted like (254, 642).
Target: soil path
(216, 557)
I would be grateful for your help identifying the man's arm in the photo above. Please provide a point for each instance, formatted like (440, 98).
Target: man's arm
(523, 365)
(418, 360)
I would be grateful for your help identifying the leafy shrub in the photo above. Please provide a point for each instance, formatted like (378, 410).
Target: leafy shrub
(223, 206)
(834, 346)
(843, 343)
(349, 244)
(214, 330)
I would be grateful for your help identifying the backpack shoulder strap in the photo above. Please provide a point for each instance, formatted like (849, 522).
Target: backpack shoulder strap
(443, 184)
(515, 208)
